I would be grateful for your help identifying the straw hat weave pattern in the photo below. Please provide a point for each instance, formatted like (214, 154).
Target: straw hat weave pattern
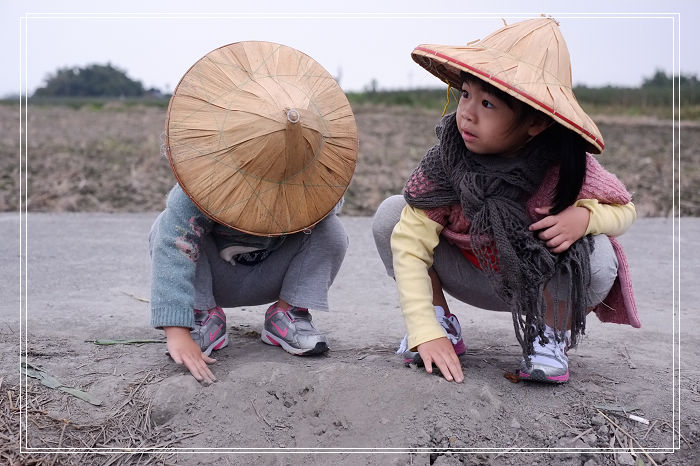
(261, 138)
(528, 60)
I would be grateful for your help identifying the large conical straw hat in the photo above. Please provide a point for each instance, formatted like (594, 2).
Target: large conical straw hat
(261, 138)
(528, 60)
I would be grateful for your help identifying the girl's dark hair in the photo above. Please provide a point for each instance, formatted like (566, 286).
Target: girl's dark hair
(569, 147)
(571, 151)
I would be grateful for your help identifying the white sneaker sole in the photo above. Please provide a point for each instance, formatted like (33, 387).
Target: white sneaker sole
(271, 339)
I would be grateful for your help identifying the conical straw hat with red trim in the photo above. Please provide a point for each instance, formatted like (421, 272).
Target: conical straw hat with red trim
(261, 138)
(528, 60)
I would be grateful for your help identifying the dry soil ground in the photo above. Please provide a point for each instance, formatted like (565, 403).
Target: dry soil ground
(87, 278)
(108, 160)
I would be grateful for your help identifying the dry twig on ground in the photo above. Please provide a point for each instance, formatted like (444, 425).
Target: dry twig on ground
(47, 439)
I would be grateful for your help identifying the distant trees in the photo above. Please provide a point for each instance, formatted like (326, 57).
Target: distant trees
(91, 81)
(687, 86)
(661, 79)
(655, 91)
(109, 81)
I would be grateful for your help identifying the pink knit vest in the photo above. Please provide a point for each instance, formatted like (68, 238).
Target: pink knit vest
(619, 305)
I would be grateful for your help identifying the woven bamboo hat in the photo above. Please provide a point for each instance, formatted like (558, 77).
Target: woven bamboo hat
(261, 138)
(528, 60)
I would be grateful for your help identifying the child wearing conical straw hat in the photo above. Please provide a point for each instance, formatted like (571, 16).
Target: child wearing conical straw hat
(509, 211)
(263, 144)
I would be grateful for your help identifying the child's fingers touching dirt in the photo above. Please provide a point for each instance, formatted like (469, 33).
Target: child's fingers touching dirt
(199, 368)
(441, 353)
(183, 350)
(196, 362)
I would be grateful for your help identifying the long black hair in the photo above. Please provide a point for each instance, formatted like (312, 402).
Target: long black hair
(572, 165)
(570, 147)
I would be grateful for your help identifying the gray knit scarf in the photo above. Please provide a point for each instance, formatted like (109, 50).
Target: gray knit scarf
(493, 192)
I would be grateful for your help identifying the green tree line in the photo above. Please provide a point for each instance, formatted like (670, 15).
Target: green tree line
(656, 92)
(90, 81)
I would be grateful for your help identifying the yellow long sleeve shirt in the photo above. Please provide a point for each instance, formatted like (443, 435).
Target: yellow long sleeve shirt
(415, 237)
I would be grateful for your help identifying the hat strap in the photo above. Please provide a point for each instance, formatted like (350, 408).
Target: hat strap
(447, 99)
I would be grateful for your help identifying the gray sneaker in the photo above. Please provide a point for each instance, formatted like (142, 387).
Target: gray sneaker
(453, 331)
(210, 329)
(293, 330)
(549, 363)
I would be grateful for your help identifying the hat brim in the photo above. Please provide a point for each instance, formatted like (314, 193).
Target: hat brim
(230, 146)
(558, 102)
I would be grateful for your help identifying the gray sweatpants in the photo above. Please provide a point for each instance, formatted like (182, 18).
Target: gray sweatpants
(300, 272)
(467, 283)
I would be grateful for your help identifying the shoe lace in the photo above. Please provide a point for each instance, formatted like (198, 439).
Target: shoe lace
(556, 345)
(451, 326)
(449, 322)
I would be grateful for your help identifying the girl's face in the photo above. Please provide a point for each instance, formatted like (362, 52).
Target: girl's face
(489, 126)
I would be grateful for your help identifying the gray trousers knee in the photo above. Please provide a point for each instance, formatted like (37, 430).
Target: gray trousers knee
(300, 272)
(465, 282)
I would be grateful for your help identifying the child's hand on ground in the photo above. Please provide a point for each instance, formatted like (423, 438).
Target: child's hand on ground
(441, 353)
(184, 350)
(562, 230)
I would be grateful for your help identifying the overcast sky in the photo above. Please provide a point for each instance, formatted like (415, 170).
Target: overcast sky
(155, 42)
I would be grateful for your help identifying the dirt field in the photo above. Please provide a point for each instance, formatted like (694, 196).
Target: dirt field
(356, 397)
(108, 160)
(94, 284)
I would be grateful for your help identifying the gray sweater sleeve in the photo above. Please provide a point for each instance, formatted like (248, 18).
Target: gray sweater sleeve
(176, 250)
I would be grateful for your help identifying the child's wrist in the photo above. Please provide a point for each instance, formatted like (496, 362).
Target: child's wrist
(175, 332)
(585, 214)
